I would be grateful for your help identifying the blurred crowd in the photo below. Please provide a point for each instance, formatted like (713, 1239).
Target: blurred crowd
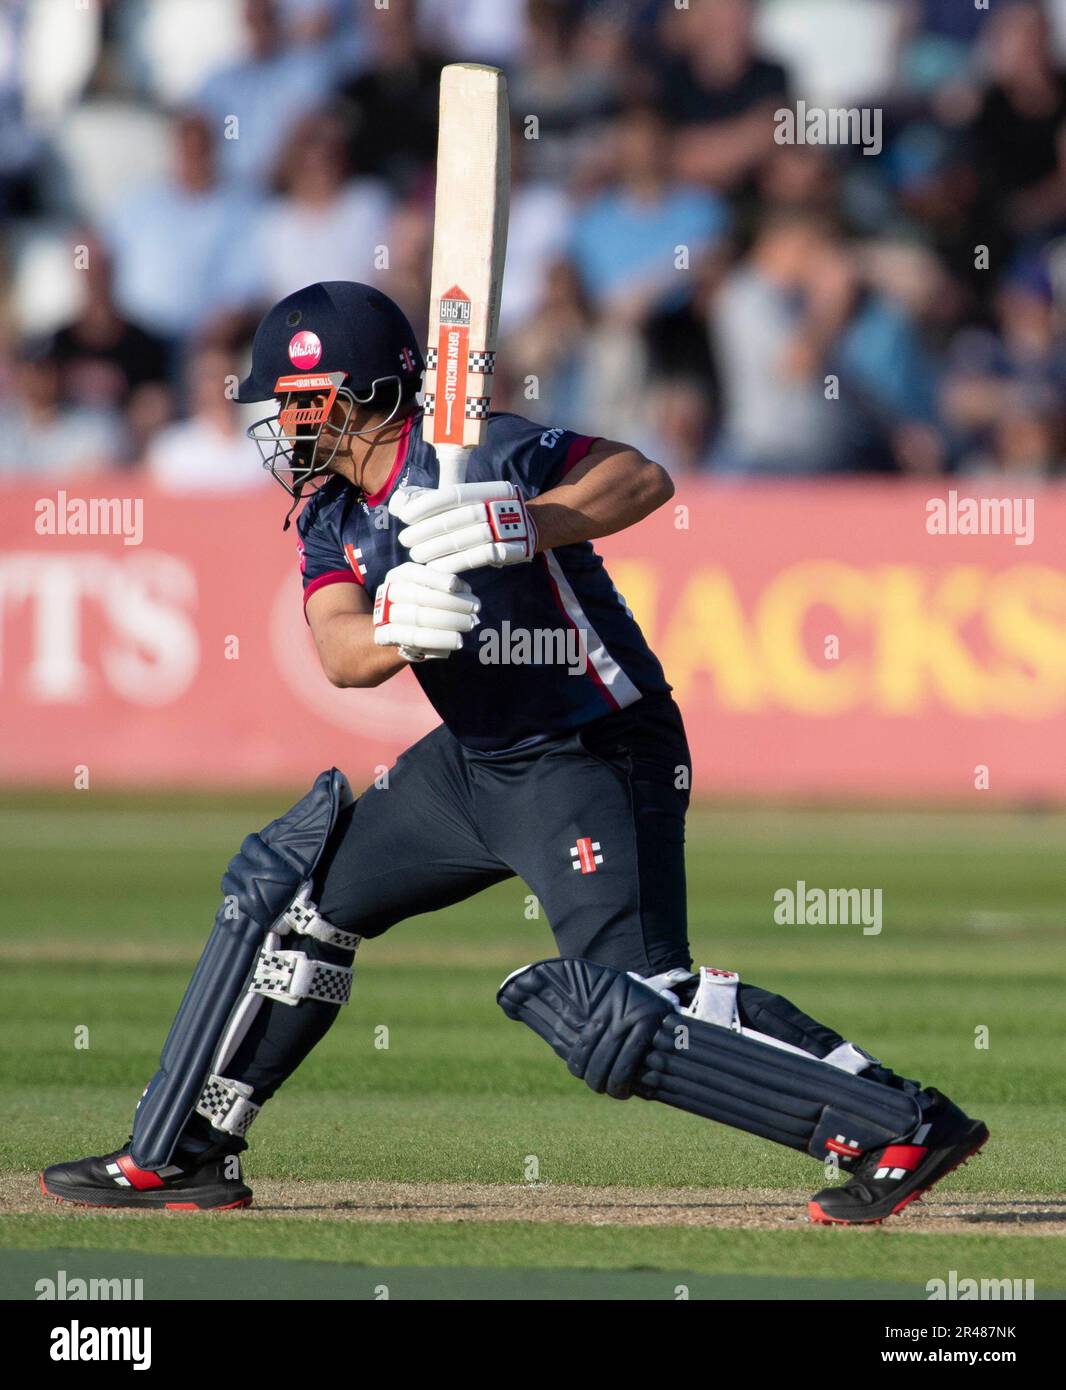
(676, 277)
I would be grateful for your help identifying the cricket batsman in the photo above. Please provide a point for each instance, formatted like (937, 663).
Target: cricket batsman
(571, 773)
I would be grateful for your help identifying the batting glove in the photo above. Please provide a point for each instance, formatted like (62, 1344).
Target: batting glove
(465, 526)
(423, 612)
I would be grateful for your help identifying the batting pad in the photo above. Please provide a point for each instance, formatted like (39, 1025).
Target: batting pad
(625, 1039)
(259, 887)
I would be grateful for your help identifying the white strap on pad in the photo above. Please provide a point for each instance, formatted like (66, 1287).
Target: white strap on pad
(662, 984)
(848, 1057)
(289, 976)
(227, 1104)
(715, 1000)
(304, 918)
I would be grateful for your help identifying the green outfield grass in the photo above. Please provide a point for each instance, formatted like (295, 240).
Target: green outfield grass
(107, 901)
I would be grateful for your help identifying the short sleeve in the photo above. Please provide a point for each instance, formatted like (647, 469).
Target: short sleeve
(322, 555)
(541, 459)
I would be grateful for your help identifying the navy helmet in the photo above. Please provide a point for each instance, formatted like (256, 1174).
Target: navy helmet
(337, 341)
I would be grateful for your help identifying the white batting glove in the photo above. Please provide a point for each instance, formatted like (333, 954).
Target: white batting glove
(465, 526)
(423, 612)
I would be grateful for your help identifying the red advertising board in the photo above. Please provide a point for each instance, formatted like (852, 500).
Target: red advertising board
(824, 639)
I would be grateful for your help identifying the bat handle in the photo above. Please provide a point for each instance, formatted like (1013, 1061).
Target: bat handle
(453, 459)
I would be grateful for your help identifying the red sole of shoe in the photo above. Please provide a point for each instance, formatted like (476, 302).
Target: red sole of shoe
(819, 1217)
(118, 1206)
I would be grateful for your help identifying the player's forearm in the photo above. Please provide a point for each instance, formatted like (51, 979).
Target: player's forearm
(348, 653)
(612, 495)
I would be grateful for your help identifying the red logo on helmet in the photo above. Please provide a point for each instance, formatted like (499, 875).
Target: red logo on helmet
(305, 349)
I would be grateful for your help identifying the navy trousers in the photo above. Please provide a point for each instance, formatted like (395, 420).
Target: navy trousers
(594, 823)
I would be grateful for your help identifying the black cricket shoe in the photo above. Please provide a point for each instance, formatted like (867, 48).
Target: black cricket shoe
(886, 1180)
(208, 1181)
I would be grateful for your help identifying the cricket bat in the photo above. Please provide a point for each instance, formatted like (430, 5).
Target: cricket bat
(469, 246)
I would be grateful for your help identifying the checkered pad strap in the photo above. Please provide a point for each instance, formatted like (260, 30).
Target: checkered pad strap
(289, 976)
(431, 358)
(227, 1105)
(477, 407)
(303, 918)
(481, 363)
(429, 401)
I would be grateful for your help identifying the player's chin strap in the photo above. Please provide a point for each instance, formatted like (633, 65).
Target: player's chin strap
(297, 497)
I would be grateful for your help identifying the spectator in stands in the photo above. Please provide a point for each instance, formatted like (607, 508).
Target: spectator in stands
(799, 176)
(947, 19)
(682, 389)
(19, 146)
(410, 242)
(654, 151)
(480, 31)
(937, 52)
(773, 324)
(889, 385)
(679, 423)
(279, 82)
(570, 96)
(41, 437)
(1017, 138)
(324, 225)
(717, 92)
(1028, 440)
(556, 349)
(634, 242)
(391, 106)
(310, 21)
(179, 246)
(106, 362)
(932, 190)
(209, 451)
(538, 235)
(1025, 350)
(824, 368)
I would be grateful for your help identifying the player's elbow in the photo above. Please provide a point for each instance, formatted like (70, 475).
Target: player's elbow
(340, 670)
(336, 675)
(666, 485)
(657, 486)
(347, 678)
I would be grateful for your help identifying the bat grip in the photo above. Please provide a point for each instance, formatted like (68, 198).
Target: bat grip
(452, 459)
